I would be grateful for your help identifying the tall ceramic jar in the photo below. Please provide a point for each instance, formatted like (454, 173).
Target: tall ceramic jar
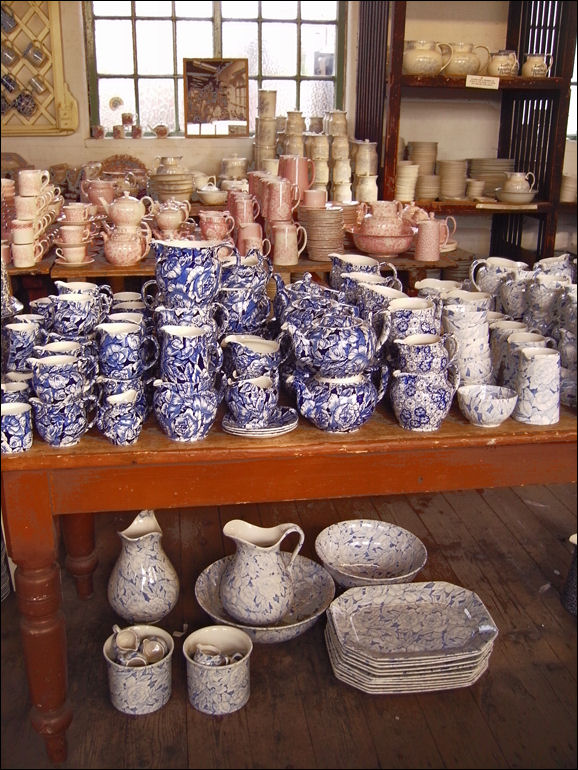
(143, 586)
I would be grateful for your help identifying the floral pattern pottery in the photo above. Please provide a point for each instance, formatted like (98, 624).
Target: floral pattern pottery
(369, 552)
(143, 586)
(16, 427)
(63, 423)
(486, 405)
(189, 354)
(147, 688)
(185, 411)
(337, 405)
(252, 401)
(421, 402)
(220, 689)
(538, 386)
(250, 355)
(257, 585)
(250, 272)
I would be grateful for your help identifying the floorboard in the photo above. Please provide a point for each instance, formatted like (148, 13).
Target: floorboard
(510, 546)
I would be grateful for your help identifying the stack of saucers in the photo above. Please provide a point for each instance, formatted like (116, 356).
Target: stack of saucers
(406, 180)
(409, 637)
(453, 175)
(492, 171)
(324, 229)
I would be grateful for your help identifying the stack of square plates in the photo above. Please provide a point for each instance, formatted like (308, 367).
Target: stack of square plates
(409, 637)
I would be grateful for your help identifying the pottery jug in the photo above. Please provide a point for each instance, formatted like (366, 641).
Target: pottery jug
(503, 64)
(257, 586)
(464, 61)
(143, 586)
(423, 57)
(537, 65)
(518, 181)
(421, 401)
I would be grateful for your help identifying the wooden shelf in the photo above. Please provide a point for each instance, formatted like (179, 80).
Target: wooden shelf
(472, 208)
(506, 84)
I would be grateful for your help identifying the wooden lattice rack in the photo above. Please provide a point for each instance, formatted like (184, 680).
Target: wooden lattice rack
(56, 110)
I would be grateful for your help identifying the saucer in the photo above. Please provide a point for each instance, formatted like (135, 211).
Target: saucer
(450, 246)
(66, 243)
(284, 420)
(314, 591)
(60, 261)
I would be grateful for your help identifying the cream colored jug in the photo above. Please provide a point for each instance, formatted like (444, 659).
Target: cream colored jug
(537, 65)
(423, 57)
(503, 64)
(464, 61)
(256, 585)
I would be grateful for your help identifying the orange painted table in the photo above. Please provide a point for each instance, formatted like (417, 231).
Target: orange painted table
(94, 477)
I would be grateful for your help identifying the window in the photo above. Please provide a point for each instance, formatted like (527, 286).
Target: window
(136, 49)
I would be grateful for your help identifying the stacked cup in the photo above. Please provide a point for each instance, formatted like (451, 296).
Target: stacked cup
(74, 233)
(317, 148)
(265, 143)
(406, 180)
(36, 207)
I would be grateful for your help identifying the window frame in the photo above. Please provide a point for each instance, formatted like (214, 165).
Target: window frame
(177, 77)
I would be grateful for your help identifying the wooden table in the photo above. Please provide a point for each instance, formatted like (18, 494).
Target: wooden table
(93, 477)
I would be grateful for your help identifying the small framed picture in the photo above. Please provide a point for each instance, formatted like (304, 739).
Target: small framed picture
(216, 97)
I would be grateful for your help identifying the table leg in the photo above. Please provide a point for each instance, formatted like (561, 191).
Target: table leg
(32, 544)
(81, 559)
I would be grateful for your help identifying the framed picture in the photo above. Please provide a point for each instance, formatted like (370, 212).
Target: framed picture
(216, 97)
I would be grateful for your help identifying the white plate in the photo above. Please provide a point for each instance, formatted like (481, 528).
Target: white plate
(450, 246)
(314, 591)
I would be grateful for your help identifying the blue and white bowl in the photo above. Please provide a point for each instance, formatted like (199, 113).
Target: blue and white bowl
(486, 405)
(370, 552)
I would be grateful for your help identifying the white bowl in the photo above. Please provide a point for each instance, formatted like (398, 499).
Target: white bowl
(486, 405)
(212, 197)
(370, 552)
(515, 197)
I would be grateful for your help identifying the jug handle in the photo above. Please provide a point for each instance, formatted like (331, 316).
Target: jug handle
(451, 54)
(453, 221)
(533, 183)
(385, 316)
(473, 267)
(294, 528)
(484, 69)
(451, 343)
(310, 167)
(301, 236)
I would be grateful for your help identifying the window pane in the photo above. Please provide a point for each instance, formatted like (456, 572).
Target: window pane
(203, 9)
(279, 49)
(240, 42)
(157, 103)
(277, 10)
(181, 105)
(154, 41)
(286, 94)
(240, 10)
(113, 47)
(158, 8)
(317, 97)
(122, 8)
(194, 39)
(322, 10)
(253, 102)
(118, 89)
(571, 129)
(318, 49)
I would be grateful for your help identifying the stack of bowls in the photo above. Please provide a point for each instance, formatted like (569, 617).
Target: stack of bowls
(427, 187)
(171, 180)
(424, 154)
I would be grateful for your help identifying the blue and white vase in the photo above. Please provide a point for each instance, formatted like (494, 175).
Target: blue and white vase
(143, 586)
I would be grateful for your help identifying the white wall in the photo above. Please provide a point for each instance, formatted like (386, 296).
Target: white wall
(463, 128)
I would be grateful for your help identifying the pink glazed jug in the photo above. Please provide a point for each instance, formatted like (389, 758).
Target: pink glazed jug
(299, 170)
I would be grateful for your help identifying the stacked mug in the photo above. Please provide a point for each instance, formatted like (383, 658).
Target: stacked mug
(36, 207)
(265, 145)
(292, 141)
(187, 283)
(64, 369)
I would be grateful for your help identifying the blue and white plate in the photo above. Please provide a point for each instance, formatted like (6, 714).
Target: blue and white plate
(284, 420)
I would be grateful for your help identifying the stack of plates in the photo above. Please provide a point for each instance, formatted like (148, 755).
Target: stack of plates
(453, 175)
(427, 187)
(350, 215)
(324, 229)
(492, 171)
(405, 181)
(409, 637)
(568, 189)
(424, 154)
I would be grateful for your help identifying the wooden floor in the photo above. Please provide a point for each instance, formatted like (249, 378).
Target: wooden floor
(510, 546)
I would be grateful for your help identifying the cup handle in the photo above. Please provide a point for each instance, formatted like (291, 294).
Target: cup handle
(310, 167)
(45, 178)
(533, 182)
(301, 236)
(93, 400)
(488, 55)
(146, 200)
(154, 344)
(230, 220)
(148, 299)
